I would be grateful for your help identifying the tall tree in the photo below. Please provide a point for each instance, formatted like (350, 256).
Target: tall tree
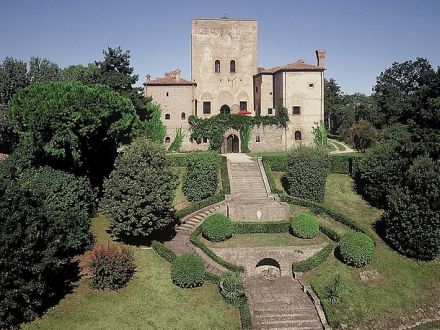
(13, 76)
(42, 70)
(333, 101)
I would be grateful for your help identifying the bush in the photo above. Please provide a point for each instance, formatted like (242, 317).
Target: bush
(356, 249)
(245, 317)
(362, 135)
(329, 232)
(188, 271)
(34, 262)
(201, 179)
(163, 251)
(343, 163)
(313, 261)
(327, 307)
(305, 226)
(111, 266)
(307, 170)
(139, 192)
(233, 288)
(217, 228)
(333, 291)
(271, 227)
(277, 163)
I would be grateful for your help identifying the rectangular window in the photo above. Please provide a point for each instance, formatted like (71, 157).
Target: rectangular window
(269, 111)
(167, 94)
(243, 105)
(311, 85)
(206, 108)
(256, 89)
(296, 110)
(270, 93)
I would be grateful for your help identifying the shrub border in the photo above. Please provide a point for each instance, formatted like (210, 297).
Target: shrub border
(327, 307)
(313, 261)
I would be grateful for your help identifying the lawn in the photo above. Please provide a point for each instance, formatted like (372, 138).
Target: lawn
(150, 301)
(401, 289)
(259, 240)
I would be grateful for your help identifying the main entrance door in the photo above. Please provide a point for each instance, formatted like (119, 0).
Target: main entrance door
(232, 144)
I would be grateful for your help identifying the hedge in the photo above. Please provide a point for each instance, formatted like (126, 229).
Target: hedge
(183, 159)
(245, 317)
(313, 261)
(338, 163)
(163, 251)
(329, 232)
(199, 205)
(226, 187)
(269, 175)
(356, 248)
(327, 307)
(305, 226)
(195, 240)
(188, 271)
(217, 228)
(321, 208)
(261, 227)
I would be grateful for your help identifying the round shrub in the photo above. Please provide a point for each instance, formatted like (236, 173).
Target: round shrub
(305, 226)
(356, 249)
(233, 288)
(188, 271)
(217, 228)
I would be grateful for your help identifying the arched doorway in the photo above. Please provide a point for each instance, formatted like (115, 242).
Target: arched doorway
(225, 109)
(232, 144)
(268, 268)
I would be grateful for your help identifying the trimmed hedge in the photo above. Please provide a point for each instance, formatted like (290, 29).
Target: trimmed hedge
(213, 278)
(201, 179)
(217, 228)
(313, 261)
(321, 208)
(226, 187)
(305, 226)
(356, 248)
(330, 233)
(270, 178)
(306, 174)
(261, 227)
(245, 317)
(194, 238)
(188, 271)
(163, 251)
(327, 307)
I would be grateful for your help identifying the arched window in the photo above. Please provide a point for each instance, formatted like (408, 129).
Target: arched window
(167, 139)
(217, 66)
(257, 139)
(297, 136)
(205, 140)
(225, 109)
(232, 66)
(167, 116)
(183, 116)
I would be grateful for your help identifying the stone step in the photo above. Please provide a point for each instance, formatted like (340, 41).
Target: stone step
(193, 221)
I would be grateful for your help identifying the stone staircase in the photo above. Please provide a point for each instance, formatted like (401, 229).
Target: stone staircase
(281, 304)
(251, 198)
(181, 243)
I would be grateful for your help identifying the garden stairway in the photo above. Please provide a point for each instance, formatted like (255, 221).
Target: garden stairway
(181, 243)
(251, 198)
(281, 304)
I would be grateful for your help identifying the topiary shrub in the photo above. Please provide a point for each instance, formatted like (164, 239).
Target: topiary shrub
(111, 266)
(188, 271)
(305, 226)
(233, 288)
(356, 248)
(217, 228)
(307, 170)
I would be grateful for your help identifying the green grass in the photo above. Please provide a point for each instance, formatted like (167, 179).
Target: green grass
(260, 240)
(150, 301)
(430, 326)
(401, 285)
(180, 201)
(338, 145)
(268, 153)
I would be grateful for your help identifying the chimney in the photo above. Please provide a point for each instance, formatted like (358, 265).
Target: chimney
(320, 57)
(148, 78)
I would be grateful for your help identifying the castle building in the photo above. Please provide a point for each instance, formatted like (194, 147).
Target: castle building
(226, 79)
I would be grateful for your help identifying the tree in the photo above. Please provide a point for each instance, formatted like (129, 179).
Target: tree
(12, 78)
(138, 194)
(362, 135)
(42, 71)
(72, 126)
(333, 101)
(33, 256)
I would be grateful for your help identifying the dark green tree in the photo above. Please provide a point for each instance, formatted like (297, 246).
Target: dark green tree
(333, 101)
(138, 194)
(83, 74)
(72, 126)
(41, 70)
(12, 77)
(362, 135)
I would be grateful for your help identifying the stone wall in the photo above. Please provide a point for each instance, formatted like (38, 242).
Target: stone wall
(271, 138)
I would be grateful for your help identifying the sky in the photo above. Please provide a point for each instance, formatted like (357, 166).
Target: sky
(362, 38)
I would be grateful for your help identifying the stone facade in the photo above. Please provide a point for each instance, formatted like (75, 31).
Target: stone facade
(225, 79)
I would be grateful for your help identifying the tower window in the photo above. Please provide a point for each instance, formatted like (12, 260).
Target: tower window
(183, 116)
(297, 136)
(167, 139)
(217, 66)
(167, 116)
(256, 89)
(206, 108)
(311, 85)
(167, 94)
(296, 110)
(269, 111)
(232, 66)
(257, 139)
(205, 140)
(243, 105)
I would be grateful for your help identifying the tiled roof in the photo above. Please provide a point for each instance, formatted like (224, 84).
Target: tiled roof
(299, 65)
(169, 80)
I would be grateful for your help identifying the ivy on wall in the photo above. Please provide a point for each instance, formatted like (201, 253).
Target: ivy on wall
(214, 128)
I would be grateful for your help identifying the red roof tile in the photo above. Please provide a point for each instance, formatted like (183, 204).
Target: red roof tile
(299, 65)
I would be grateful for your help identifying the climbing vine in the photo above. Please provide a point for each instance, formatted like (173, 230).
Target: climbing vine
(214, 128)
(320, 135)
(177, 142)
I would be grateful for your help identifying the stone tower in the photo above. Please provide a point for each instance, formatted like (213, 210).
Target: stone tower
(223, 62)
